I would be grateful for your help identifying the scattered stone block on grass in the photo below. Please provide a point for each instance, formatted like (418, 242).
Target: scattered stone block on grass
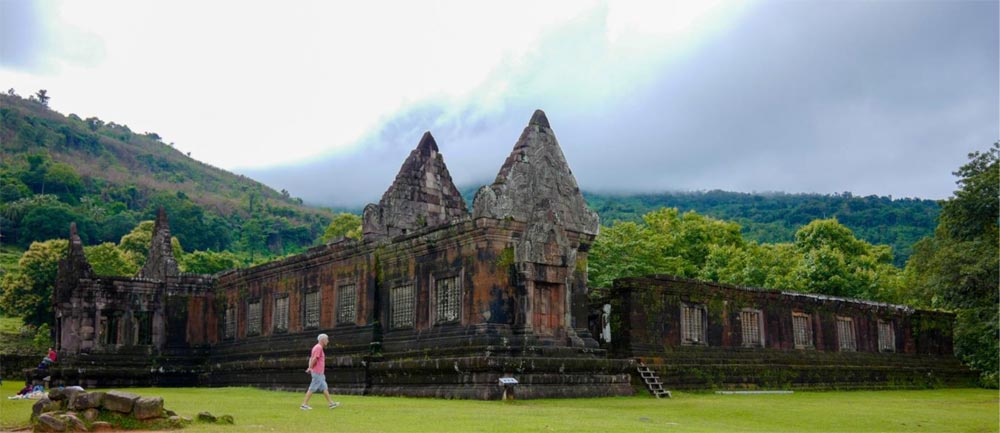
(99, 426)
(206, 417)
(74, 423)
(119, 401)
(91, 414)
(148, 407)
(44, 405)
(49, 423)
(86, 400)
(60, 394)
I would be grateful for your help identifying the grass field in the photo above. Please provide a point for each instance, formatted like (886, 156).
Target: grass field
(948, 410)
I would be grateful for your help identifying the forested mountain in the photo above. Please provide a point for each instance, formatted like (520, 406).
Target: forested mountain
(774, 217)
(107, 178)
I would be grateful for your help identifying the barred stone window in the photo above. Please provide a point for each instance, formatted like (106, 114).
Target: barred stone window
(253, 318)
(280, 317)
(845, 334)
(802, 330)
(693, 319)
(752, 323)
(401, 306)
(448, 299)
(886, 337)
(311, 317)
(347, 303)
(229, 328)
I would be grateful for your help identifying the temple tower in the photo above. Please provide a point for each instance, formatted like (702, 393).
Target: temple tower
(536, 186)
(161, 263)
(422, 195)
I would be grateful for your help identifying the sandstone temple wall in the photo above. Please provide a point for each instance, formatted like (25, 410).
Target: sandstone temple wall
(702, 334)
(438, 301)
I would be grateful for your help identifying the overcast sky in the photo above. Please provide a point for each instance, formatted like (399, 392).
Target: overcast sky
(326, 99)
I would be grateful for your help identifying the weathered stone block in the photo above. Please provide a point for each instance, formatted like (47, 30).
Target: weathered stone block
(60, 394)
(91, 414)
(43, 406)
(206, 417)
(98, 426)
(86, 400)
(226, 419)
(49, 423)
(74, 423)
(119, 401)
(148, 407)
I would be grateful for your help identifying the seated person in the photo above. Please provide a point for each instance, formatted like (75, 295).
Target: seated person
(49, 359)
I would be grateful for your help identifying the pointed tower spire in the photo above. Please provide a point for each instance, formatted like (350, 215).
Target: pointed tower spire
(72, 268)
(160, 263)
(423, 195)
(535, 183)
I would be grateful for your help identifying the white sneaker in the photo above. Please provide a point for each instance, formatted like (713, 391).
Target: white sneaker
(334, 404)
(305, 407)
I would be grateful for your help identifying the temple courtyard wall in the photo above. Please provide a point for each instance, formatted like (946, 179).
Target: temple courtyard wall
(436, 300)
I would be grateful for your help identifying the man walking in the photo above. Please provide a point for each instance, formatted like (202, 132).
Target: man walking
(317, 369)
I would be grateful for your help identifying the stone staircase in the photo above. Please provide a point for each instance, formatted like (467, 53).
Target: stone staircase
(652, 381)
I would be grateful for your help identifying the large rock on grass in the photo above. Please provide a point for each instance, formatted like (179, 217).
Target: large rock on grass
(91, 414)
(60, 394)
(101, 426)
(49, 423)
(148, 407)
(86, 400)
(44, 405)
(119, 401)
(74, 423)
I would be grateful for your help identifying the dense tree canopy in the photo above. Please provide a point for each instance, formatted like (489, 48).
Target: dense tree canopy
(959, 267)
(825, 257)
(27, 293)
(343, 225)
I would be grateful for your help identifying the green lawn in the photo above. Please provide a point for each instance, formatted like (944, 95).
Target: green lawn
(949, 410)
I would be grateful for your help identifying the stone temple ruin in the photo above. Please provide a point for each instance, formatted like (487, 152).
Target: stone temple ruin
(438, 301)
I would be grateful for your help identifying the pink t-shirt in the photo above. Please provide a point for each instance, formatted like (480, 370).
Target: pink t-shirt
(317, 353)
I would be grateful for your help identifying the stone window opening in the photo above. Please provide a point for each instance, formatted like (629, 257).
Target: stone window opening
(752, 327)
(447, 299)
(254, 318)
(886, 337)
(694, 320)
(280, 316)
(401, 306)
(311, 312)
(110, 325)
(846, 338)
(802, 330)
(143, 335)
(347, 303)
(229, 324)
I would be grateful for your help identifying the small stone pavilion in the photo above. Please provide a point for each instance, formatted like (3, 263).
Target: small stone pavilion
(438, 301)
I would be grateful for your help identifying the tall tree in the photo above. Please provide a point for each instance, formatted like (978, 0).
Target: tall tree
(43, 97)
(959, 267)
(27, 292)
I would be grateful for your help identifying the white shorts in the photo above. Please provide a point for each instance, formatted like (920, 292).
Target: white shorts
(318, 383)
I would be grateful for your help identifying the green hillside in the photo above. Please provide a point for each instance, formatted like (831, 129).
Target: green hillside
(106, 177)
